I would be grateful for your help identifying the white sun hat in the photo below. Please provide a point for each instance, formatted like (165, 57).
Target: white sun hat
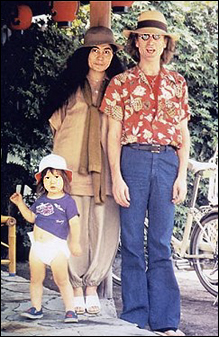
(54, 161)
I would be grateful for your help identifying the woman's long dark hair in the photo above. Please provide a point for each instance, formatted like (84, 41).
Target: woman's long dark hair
(74, 77)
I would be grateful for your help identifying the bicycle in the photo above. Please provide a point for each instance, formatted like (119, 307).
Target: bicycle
(198, 248)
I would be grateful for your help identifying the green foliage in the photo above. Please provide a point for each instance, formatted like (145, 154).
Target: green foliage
(196, 59)
(31, 63)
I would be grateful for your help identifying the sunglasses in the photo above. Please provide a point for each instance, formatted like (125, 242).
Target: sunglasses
(146, 37)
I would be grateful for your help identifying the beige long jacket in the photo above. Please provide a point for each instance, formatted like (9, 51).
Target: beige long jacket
(67, 124)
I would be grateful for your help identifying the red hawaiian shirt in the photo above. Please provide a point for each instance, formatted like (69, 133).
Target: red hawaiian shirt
(130, 99)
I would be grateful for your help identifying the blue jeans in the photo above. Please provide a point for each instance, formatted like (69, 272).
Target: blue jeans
(149, 297)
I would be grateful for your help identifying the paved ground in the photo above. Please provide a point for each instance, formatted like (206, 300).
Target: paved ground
(199, 314)
(15, 298)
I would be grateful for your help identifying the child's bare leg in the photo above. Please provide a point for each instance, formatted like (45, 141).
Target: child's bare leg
(59, 268)
(37, 275)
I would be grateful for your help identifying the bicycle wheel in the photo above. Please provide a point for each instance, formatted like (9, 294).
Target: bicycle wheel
(205, 241)
(116, 268)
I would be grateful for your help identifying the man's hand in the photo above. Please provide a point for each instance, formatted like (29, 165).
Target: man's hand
(121, 193)
(179, 191)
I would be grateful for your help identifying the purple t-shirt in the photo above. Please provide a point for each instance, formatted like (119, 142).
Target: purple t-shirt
(53, 215)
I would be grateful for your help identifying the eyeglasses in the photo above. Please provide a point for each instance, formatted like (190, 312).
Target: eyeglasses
(146, 37)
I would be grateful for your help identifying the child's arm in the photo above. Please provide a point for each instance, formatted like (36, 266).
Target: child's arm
(74, 236)
(17, 199)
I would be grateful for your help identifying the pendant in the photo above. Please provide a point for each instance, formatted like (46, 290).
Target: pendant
(147, 105)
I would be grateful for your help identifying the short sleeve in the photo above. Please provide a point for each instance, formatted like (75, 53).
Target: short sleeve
(112, 103)
(33, 207)
(57, 118)
(71, 210)
(185, 109)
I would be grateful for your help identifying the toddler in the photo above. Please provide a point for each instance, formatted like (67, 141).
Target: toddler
(55, 235)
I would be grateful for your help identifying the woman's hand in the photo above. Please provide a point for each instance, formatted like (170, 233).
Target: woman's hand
(75, 249)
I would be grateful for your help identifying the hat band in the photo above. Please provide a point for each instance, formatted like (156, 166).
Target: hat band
(95, 42)
(152, 23)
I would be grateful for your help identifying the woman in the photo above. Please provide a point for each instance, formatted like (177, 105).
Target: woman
(80, 130)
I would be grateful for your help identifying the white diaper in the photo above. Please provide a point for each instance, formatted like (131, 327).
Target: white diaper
(47, 251)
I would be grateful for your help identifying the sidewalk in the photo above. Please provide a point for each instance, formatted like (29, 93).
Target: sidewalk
(15, 298)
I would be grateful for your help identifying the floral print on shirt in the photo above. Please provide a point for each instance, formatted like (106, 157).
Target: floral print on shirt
(129, 98)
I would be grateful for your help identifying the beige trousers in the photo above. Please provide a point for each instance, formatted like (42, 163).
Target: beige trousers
(99, 240)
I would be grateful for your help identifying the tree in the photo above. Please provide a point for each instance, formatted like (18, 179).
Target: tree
(32, 62)
(196, 59)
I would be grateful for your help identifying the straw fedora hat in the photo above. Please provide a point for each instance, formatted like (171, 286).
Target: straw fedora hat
(99, 35)
(152, 22)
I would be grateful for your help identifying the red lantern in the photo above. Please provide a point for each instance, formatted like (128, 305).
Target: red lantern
(121, 3)
(64, 12)
(22, 19)
(121, 6)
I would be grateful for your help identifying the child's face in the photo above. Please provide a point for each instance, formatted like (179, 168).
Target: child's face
(53, 182)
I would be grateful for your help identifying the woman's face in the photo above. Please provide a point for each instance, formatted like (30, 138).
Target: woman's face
(100, 57)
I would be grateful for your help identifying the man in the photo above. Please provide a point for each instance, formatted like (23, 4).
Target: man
(148, 145)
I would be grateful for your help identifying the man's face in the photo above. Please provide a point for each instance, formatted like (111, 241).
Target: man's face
(151, 46)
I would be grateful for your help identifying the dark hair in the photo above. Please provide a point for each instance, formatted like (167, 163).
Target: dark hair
(166, 57)
(40, 190)
(74, 77)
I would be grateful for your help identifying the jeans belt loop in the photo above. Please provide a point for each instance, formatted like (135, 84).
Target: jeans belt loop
(153, 148)
(157, 150)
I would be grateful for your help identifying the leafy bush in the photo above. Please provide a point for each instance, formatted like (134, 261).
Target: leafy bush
(32, 62)
(196, 60)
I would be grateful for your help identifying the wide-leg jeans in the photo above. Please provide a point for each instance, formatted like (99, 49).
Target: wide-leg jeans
(150, 295)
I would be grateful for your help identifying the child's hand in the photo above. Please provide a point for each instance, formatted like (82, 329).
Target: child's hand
(16, 198)
(75, 249)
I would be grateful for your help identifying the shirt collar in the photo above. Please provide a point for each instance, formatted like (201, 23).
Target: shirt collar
(168, 74)
(164, 73)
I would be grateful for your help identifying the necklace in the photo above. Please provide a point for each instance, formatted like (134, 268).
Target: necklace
(152, 80)
(95, 89)
(94, 80)
(96, 84)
